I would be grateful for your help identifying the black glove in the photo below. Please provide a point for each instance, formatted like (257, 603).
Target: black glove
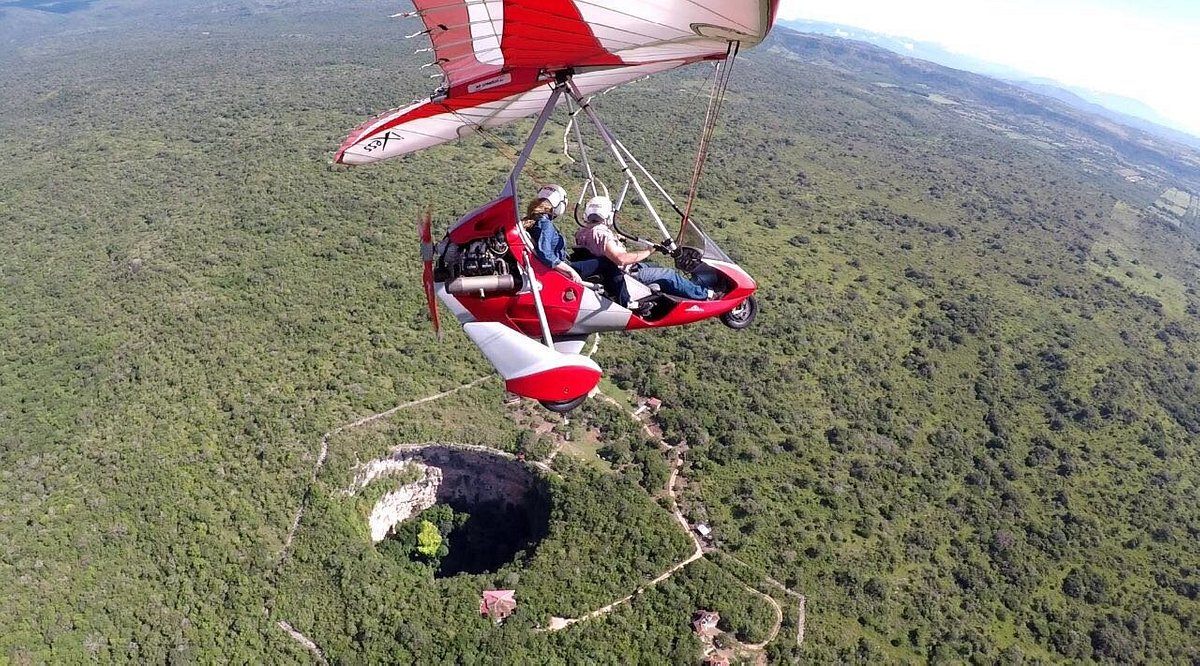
(687, 259)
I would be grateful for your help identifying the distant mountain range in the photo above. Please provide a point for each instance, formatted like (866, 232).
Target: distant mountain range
(1116, 108)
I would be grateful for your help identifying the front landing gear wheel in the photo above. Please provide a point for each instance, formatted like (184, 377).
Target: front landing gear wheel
(564, 406)
(741, 316)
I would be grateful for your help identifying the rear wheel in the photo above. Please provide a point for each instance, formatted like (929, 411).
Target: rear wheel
(564, 406)
(741, 316)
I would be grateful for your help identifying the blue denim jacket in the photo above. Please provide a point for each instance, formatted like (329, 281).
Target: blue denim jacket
(549, 245)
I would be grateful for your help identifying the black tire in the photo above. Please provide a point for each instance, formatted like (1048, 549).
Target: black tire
(741, 316)
(564, 406)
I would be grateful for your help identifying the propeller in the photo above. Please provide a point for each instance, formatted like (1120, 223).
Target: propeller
(425, 229)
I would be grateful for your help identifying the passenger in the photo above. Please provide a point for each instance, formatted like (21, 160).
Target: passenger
(548, 244)
(598, 238)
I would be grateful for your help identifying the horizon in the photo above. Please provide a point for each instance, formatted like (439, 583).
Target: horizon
(1068, 41)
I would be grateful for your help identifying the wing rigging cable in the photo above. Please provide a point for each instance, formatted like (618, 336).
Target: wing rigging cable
(534, 168)
(715, 101)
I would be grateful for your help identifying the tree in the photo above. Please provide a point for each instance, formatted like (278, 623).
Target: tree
(429, 540)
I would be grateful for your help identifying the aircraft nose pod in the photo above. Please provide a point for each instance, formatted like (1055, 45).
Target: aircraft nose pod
(531, 369)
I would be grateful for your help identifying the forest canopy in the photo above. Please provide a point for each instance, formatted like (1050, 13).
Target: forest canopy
(965, 424)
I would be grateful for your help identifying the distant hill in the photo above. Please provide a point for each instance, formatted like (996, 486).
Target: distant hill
(1109, 106)
(909, 47)
(1117, 108)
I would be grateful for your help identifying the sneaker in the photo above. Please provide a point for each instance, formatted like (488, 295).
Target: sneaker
(642, 309)
(712, 295)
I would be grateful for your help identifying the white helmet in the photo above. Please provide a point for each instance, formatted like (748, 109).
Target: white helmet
(599, 209)
(557, 197)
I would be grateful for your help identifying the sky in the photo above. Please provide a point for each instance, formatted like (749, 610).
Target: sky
(1145, 49)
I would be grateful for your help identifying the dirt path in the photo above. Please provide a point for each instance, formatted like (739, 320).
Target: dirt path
(321, 457)
(303, 640)
(324, 453)
(758, 647)
(801, 603)
(679, 514)
(557, 623)
(676, 464)
(803, 606)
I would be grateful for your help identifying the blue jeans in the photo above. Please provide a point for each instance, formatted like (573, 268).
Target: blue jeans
(595, 266)
(669, 280)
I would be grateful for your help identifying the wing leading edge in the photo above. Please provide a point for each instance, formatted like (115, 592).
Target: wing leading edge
(498, 57)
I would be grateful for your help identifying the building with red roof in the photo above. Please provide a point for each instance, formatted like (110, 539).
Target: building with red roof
(705, 622)
(498, 604)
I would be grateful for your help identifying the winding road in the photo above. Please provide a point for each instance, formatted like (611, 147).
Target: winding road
(285, 553)
(556, 623)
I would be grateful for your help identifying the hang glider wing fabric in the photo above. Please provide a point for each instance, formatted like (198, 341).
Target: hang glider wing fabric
(499, 58)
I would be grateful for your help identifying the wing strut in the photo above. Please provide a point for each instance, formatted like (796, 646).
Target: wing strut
(611, 142)
(535, 286)
(510, 189)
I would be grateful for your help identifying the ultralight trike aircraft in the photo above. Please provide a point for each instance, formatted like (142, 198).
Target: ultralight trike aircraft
(504, 60)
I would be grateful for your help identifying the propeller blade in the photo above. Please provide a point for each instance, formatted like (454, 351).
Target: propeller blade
(425, 229)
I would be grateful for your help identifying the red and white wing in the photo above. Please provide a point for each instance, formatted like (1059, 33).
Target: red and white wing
(425, 124)
(498, 57)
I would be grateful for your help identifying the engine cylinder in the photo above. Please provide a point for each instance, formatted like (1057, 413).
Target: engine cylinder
(484, 283)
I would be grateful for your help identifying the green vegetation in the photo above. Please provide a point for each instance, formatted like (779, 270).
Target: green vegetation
(429, 540)
(605, 538)
(965, 424)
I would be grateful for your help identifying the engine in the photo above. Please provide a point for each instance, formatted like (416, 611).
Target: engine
(482, 265)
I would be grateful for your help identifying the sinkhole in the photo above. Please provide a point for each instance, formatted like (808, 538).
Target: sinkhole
(488, 509)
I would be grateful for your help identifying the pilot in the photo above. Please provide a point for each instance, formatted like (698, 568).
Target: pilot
(598, 238)
(548, 244)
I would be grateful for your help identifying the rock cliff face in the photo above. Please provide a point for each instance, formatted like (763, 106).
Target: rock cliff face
(472, 476)
(401, 504)
(456, 475)
(365, 473)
